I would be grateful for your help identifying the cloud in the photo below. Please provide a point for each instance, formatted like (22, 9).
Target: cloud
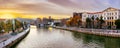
(58, 7)
(90, 5)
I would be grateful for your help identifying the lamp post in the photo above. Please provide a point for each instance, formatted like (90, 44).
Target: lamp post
(13, 25)
(23, 23)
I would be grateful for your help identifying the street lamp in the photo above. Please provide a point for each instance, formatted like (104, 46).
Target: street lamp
(13, 25)
(23, 23)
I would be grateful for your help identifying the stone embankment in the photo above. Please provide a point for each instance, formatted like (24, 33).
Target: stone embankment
(14, 39)
(100, 32)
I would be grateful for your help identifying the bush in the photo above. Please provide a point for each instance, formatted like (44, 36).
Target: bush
(117, 23)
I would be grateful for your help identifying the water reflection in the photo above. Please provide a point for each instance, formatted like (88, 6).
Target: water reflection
(55, 38)
(93, 41)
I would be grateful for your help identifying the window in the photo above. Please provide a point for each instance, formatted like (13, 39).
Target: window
(107, 13)
(104, 18)
(112, 13)
(112, 23)
(108, 18)
(112, 17)
(115, 17)
(116, 13)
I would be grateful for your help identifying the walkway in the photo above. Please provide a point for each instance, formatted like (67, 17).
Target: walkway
(101, 32)
(11, 38)
(5, 37)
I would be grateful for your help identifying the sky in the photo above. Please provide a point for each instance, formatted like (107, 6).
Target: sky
(55, 8)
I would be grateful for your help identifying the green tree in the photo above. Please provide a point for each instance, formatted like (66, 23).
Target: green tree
(97, 22)
(92, 21)
(101, 21)
(117, 23)
(1, 26)
(88, 22)
(18, 24)
(9, 25)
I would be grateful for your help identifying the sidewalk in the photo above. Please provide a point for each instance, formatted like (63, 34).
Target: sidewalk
(5, 37)
(101, 32)
(7, 40)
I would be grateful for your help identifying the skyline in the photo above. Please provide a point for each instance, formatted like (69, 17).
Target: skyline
(56, 8)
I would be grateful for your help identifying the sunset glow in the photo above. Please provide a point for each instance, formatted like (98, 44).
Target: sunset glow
(54, 8)
(7, 16)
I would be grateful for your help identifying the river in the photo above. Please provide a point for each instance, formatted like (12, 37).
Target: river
(56, 38)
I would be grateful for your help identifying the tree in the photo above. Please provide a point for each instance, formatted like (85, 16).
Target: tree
(117, 23)
(9, 25)
(68, 23)
(92, 21)
(18, 24)
(79, 23)
(1, 26)
(97, 19)
(74, 21)
(88, 22)
(97, 22)
(101, 21)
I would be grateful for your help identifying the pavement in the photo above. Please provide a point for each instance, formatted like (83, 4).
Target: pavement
(5, 37)
(8, 38)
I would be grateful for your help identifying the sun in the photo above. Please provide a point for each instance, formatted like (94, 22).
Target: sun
(7, 16)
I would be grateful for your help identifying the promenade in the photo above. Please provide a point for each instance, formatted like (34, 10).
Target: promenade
(10, 38)
(101, 32)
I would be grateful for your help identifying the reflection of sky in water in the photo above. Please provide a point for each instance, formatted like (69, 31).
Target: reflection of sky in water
(55, 38)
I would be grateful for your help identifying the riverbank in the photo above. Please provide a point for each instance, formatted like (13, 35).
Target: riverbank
(14, 39)
(100, 32)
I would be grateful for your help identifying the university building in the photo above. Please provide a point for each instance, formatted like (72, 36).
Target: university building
(109, 16)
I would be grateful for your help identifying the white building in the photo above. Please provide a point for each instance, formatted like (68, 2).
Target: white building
(109, 15)
(89, 15)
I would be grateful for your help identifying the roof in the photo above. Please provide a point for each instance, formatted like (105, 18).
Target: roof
(111, 9)
(94, 12)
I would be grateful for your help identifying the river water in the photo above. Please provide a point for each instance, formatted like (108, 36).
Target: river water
(56, 38)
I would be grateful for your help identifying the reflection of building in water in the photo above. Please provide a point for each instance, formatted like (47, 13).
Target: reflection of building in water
(50, 28)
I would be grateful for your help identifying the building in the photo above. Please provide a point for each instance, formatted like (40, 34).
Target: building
(109, 16)
(90, 15)
(38, 21)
